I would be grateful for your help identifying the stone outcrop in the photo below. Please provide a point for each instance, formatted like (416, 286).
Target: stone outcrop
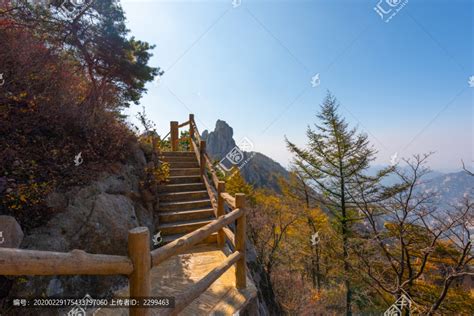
(220, 141)
(11, 234)
(95, 218)
(261, 171)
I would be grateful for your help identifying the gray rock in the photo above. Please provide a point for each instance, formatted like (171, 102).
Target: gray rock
(138, 155)
(95, 218)
(57, 201)
(11, 234)
(219, 142)
(54, 288)
(257, 169)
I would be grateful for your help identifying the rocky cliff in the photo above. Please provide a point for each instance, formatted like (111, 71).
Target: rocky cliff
(259, 170)
(95, 218)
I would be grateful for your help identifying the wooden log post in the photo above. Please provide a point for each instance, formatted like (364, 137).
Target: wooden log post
(139, 279)
(220, 211)
(191, 131)
(174, 135)
(202, 159)
(240, 236)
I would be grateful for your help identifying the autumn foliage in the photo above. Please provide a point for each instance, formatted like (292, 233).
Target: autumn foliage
(55, 105)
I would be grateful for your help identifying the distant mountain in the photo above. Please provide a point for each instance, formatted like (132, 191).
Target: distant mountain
(392, 179)
(262, 172)
(257, 169)
(450, 188)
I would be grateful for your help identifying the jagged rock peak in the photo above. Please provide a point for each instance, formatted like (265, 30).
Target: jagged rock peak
(220, 141)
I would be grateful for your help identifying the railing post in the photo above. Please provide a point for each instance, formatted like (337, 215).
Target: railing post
(220, 212)
(240, 236)
(174, 135)
(202, 160)
(191, 131)
(139, 280)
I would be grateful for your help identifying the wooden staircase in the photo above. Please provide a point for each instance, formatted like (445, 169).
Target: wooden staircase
(185, 204)
(206, 279)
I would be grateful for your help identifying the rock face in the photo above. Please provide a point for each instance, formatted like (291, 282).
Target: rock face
(95, 218)
(220, 141)
(261, 171)
(11, 234)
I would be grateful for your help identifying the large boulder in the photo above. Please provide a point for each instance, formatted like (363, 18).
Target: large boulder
(95, 218)
(11, 234)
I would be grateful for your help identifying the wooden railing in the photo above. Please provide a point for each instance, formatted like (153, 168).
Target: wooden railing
(220, 199)
(139, 262)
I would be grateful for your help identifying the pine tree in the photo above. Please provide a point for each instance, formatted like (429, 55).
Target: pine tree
(335, 161)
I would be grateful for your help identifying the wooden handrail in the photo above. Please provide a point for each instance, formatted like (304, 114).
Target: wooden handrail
(240, 236)
(237, 240)
(196, 150)
(36, 262)
(230, 236)
(187, 241)
(211, 193)
(229, 199)
(197, 289)
(209, 166)
(195, 129)
(183, 124)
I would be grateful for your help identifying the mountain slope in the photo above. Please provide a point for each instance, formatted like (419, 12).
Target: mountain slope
(257, 169)
(450, 188)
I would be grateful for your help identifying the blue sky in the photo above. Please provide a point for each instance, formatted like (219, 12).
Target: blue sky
(404, 83)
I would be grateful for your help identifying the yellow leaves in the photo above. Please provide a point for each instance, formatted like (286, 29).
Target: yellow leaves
(162, 173)
(27, 195)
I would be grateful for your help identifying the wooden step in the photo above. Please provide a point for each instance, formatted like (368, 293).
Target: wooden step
(185, 172)
(182, 187)
(183, 164)
(171, 159)
(183, 196)
(178, 154)
(183, 206)
(212, 239)
(182, 227)
(184, 179)
(179, 216)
